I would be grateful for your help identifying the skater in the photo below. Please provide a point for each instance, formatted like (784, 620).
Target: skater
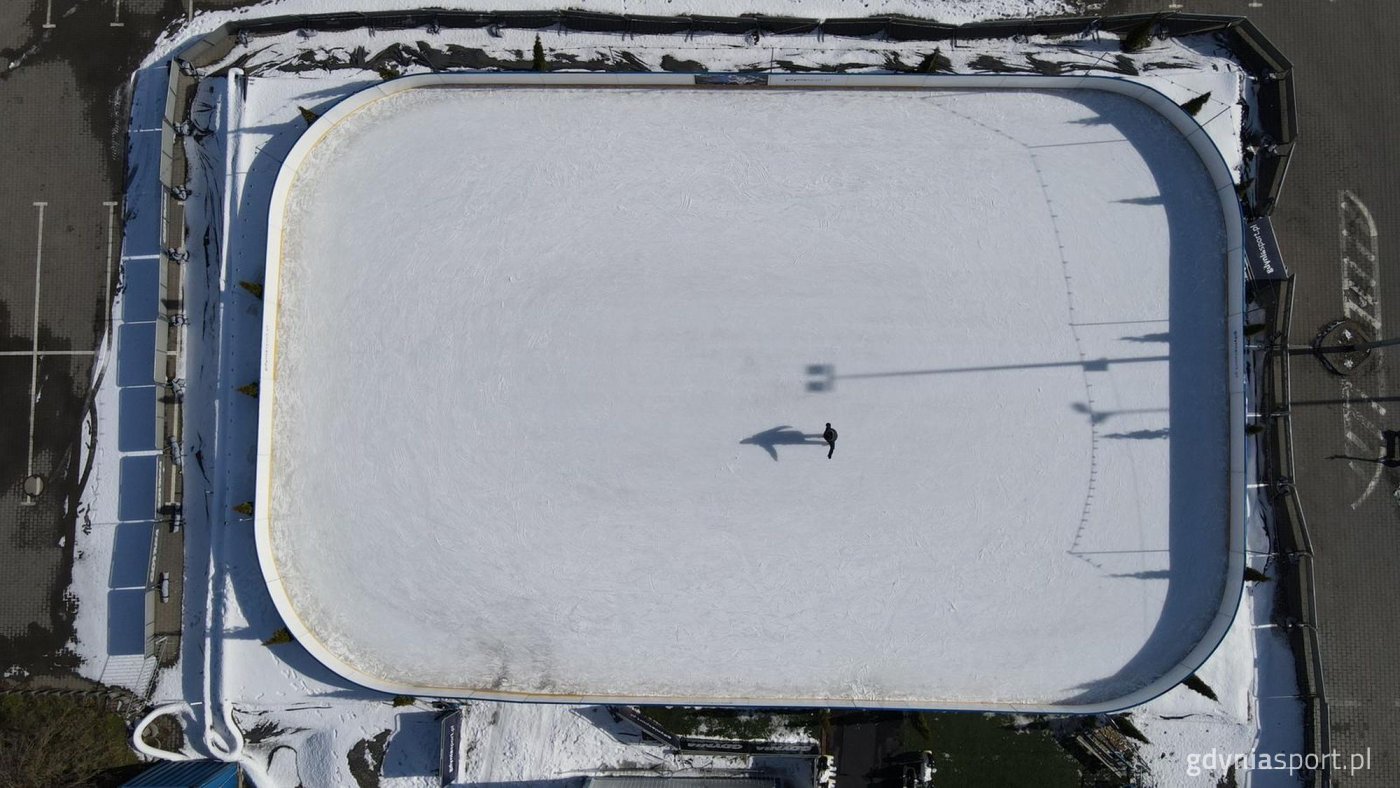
(829, 435)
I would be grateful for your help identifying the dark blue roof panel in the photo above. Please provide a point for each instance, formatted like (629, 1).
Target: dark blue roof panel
(188, 774)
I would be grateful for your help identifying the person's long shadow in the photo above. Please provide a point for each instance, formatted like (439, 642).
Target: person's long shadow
(769, 440)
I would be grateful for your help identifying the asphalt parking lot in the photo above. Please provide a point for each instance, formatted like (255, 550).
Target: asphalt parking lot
(64, 67)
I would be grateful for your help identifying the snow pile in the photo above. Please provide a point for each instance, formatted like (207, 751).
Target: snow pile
(536, 743)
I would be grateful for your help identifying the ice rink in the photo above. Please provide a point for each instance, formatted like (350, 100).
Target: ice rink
(551, 364)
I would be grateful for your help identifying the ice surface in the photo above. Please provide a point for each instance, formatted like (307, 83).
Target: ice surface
(525, 335)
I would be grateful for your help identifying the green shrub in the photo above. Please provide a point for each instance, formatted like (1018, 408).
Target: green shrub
(1140, 37)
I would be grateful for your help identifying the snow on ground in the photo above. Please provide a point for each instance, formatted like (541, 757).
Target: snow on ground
(1193, 739)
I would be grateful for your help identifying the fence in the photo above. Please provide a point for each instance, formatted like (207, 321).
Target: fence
(1292, 545)
(1267, 158)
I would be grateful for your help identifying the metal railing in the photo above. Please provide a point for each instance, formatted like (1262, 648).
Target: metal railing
(1291, 543)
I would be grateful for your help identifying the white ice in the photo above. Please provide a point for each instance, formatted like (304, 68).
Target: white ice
(523, 334)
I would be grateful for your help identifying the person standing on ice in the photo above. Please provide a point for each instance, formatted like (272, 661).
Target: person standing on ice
(829, 435)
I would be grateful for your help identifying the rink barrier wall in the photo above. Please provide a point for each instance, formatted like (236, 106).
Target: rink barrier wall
(1193, 133)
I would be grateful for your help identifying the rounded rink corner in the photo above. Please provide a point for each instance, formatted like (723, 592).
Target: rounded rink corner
(895, 675)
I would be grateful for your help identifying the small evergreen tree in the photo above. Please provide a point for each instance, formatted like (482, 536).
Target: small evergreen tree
(245, 508)
(540, 64)
(252, 287)
(279, 637)
(933, 62)
(1254, 575)
(307, 115)
(1194, 682)
(1124, 724)
(1140, 37)
(1196, 104)
(251, 390)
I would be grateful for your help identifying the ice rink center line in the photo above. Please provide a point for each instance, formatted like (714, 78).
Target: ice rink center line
(1215, 167)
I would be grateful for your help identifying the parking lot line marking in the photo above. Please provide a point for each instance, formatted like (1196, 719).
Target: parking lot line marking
(126, 257)
(116, 14)
(34, 362)
(48, 15)
(107, 282)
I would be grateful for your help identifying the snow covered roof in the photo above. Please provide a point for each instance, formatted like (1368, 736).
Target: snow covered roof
(545, 371)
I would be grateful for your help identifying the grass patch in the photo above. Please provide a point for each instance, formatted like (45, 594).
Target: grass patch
(986, 750)
(731, 723)
(54, 742)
